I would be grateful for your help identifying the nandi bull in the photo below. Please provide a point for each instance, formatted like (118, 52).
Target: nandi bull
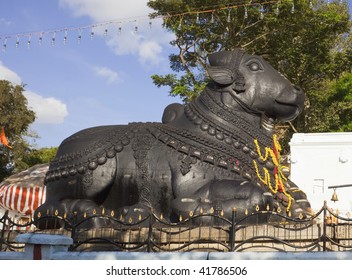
(215, 154)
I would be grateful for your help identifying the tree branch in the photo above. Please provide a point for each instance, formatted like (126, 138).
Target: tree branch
(293, 127)
(184, 50)
(255, 39)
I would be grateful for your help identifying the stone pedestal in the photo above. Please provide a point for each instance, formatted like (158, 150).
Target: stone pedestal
(43, 246)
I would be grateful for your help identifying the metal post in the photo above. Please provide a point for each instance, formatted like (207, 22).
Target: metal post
(73, 236)
(150, 233)
(233, 230)
(2, 238)
(324, 226)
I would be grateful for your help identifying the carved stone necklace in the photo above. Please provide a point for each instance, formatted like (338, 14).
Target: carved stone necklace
(220, 121)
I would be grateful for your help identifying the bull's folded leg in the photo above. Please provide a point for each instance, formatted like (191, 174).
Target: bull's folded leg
(83, 213)
(50, 215)
(134, 214)
(221, 198)
(301, 207)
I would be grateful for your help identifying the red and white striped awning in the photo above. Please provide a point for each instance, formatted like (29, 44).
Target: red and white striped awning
(24, 192)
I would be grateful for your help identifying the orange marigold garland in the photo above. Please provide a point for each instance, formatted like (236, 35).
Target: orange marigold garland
(272, 154)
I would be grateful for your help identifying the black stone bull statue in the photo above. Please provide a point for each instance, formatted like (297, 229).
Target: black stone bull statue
(213, 155)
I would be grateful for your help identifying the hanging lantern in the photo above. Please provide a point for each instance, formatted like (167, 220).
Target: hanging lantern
(4, 45)
(53, 39)
(212, 20)
(29, 41)
(119, 29)
(245, 12)
(261, 11)
(228, 15)
(17, 42)
(180, 24)
(40, 40)
(79, 38)
(65, 37)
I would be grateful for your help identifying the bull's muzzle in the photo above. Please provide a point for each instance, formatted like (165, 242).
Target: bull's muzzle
(289, 104)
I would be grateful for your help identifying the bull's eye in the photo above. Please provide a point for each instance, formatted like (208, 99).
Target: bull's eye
(254, 66)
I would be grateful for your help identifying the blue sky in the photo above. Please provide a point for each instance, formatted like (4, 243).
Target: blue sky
(104, 80)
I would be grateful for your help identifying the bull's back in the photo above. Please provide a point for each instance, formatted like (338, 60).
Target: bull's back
(85, 162)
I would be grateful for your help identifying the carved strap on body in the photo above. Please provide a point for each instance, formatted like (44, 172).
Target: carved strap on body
(141, 146)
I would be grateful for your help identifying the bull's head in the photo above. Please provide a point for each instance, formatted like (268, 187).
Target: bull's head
(249, 81)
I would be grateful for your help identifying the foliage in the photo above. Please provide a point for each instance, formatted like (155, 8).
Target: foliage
(15, 118)
(309, 43)
(38, 156)
(185, 87)
(335, 100)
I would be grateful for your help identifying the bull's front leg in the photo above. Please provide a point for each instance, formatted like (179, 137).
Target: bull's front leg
(222, 197)
(76, 195)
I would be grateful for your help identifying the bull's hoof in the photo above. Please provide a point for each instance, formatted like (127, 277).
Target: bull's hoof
(300, 212)
(187, 207)
(78, 213)
(134, 214)
(49, 216)
(198, 211)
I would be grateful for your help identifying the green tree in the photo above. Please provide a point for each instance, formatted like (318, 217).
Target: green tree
(335, 101)
(306, 40)
(15, 118)
(38, 156)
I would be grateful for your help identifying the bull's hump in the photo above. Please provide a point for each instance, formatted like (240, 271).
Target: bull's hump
(96, 145)
(90, 134)
(93, 147)
(91, 143)
(87, 137)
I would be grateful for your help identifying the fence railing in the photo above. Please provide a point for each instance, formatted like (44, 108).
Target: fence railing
(325, 231)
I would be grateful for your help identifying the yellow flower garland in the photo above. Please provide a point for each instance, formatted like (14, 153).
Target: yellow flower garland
(279, 176)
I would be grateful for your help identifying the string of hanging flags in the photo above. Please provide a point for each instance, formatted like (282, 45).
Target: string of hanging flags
(28, 38)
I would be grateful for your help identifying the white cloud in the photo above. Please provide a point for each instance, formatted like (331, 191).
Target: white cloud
(150, 52)
(5, 22)
(107, 73)
(104, 10)
(147, 43)
(48, 110)
(9, 75)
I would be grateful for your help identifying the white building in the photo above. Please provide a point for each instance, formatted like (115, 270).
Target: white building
(322, 160)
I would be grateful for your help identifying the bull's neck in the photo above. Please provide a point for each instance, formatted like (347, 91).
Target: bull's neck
(216, 119)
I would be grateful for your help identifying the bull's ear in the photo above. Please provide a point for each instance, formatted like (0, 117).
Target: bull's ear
(221, 75)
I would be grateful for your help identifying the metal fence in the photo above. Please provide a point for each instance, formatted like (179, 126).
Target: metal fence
(325, 231)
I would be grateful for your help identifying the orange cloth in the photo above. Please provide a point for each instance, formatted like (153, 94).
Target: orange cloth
(3, 139)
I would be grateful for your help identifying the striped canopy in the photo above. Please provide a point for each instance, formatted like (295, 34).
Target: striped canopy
(22, 193)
